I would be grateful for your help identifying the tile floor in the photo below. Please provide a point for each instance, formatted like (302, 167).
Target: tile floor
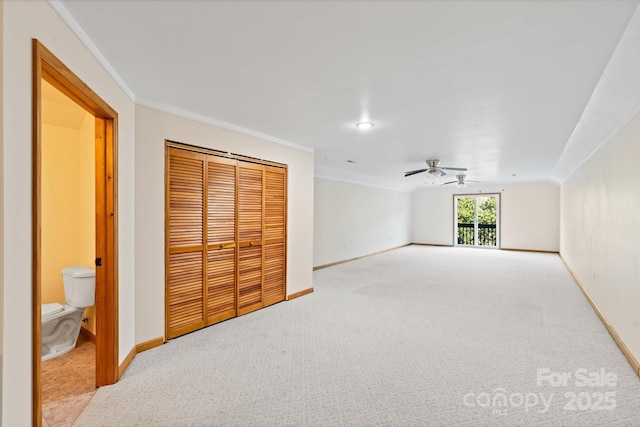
(68, 383)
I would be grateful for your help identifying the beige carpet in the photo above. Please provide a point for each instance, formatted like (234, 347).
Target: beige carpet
(417, 336)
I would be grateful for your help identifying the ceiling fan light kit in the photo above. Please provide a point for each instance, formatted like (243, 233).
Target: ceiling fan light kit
(434, 170)
(461, 181)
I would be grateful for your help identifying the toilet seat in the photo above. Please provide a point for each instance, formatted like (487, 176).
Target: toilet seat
(51, 309)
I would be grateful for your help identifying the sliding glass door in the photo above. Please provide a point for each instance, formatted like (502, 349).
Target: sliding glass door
(476, 220)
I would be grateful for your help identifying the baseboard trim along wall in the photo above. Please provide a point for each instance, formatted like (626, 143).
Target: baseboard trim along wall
(530, 250)
(504, 249)
(331, 264)
(143, 346)
(299, 294)
(87, 334)
(126, 362)
(148, 345)
(432, 244)
(621, 345)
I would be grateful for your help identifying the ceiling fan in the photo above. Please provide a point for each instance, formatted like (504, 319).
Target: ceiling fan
(461, 181)
(434, 170)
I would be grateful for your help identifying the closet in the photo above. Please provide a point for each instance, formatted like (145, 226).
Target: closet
(225, 220)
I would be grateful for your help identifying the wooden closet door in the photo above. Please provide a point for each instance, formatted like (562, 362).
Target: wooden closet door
(185, 209)
(250, 225)
(274, 235)
(225, 238)
(221, 239)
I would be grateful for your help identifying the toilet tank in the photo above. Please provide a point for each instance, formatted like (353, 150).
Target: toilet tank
(79, 286)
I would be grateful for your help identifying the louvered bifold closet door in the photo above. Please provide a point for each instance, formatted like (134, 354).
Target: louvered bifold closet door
(221, 239)
(250, 224)
(185, 242)
(274, 234)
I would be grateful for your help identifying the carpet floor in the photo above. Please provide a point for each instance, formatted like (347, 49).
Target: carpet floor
(424, 336)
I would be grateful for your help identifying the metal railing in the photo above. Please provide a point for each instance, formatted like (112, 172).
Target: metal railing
(486, 234)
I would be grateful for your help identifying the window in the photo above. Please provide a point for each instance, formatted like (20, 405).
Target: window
(476, 220)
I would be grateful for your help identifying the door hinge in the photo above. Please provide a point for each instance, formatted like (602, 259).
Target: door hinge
(98, 262)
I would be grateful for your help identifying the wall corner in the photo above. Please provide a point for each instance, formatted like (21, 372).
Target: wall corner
(1, 203)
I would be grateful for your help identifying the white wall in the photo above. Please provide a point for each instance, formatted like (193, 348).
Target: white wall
(352, 220)
(529, 215)
(600, 234)
(152, 128)
(1, 202)
(22, 21)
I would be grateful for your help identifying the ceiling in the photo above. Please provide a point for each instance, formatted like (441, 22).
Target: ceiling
(494, 86)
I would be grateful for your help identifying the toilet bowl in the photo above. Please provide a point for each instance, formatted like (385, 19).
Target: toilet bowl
(61, 323)
(60, 329)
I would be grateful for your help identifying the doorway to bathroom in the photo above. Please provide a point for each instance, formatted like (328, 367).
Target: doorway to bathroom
(94, 178)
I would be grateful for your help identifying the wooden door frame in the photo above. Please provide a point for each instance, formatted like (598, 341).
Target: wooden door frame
(48, 67)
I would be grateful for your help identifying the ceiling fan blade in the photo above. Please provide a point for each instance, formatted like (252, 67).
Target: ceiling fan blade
(414, 172)
(447, 183)
(453, 169)
(442, 173)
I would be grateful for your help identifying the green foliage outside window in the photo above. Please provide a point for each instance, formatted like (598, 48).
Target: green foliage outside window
(465, 211)
(486, 227)
(486, 210)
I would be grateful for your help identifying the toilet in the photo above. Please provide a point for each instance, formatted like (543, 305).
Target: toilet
(61, 323)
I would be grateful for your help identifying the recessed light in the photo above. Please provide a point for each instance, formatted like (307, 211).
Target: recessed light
(364, 125)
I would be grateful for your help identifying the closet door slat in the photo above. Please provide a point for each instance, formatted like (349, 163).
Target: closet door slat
(185, 201)
(274, 273)
(221, 285)
(221, 237)
(249, 279)
(250, 225)
(185, 294)
(275, 205)
(221, 200)
(249, 203)
(275, 235)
